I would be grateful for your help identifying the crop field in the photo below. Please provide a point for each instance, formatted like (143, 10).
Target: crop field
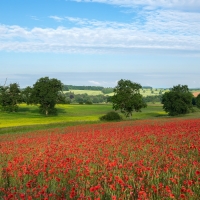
(196, 93)
(144, 92)
(139, 160)
(29, 115)
(89, 92)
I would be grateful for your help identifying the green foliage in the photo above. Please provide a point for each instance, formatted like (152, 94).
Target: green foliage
(26, 95)
(73, 87)
(83, 98)
(9, 97)
(155, 98)
(127, 97)
(107, 90)
(62, 99)
(147, 87)
(178, 100)
(111, 116)
(46, 93)
(88, 102)
(194, 101)
(198, 101)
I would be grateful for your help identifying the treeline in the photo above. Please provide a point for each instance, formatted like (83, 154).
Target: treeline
(74, 87)
(106, 90)
(90, 99)
(194, 89)
(99, 88)
(147, 87)
(153, 99)
(85, 98)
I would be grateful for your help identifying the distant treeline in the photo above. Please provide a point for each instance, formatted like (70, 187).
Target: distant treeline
(96, 88)
(74, 87)
(105, 90)
(152, 99)
(147, 87)
(193, 89)
(90, 99)
(85, 98)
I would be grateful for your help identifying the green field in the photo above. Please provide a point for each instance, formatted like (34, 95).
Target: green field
(74, 114)
(89, 92)
(29, 115)
(144, 92)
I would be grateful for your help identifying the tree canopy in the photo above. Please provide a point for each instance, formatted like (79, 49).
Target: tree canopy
(46, 93)
(198, 101)
(127, 97)
(178, 100)
(10, 97)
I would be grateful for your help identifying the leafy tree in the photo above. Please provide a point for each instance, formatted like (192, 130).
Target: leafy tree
(62, 99)
(46, 93)
(178, 100)
(107, 90)
(198, 101)
(9, 97)
(127, 97)
(152, 98)
(26, 95)
(194, 101)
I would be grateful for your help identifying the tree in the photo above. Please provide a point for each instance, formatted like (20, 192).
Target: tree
(9, 97)
(178, 100)
(198, 101)
(46, 93)
(127, 97)
(26, 95)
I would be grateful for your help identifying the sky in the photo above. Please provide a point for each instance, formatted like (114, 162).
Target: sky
(98, 42)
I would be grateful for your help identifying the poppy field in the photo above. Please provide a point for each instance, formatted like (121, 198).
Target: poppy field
(139, 160)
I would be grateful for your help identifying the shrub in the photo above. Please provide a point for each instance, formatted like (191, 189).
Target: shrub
(111, 116)
(88, 102)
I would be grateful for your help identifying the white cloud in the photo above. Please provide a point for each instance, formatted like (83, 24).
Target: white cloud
(94, 82)
(151, 4)
(56, 18)
(160, 30)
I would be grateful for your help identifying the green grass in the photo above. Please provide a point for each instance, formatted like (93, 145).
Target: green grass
(28, 117)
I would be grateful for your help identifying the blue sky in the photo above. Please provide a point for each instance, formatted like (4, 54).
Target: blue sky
(98, 42)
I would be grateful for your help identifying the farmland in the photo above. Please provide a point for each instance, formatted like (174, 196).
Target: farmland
(144, 92)
(29, 115)
(147, 159)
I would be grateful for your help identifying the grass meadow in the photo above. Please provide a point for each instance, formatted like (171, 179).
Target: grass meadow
(29, 118)
(68, 114)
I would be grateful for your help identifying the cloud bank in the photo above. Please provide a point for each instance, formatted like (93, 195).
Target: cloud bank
(161, 29)
(151, 4)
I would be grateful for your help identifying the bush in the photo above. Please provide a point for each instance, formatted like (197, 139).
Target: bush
(88, 102)
(111, 116)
